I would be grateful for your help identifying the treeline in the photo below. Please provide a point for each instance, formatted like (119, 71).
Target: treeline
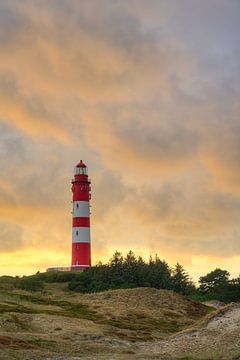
(131, 271)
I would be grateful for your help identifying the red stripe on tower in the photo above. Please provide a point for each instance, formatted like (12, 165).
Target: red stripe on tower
(81, 221)
(81, 244)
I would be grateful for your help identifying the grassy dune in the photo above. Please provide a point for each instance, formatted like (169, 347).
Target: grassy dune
(140, 323)
(104, 325)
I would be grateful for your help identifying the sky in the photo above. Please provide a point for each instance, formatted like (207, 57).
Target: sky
(147, 93)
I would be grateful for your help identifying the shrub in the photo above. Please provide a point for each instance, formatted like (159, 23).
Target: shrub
(29, 284)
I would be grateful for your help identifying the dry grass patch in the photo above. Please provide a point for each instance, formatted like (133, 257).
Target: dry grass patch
(114, 321)
(144, 313)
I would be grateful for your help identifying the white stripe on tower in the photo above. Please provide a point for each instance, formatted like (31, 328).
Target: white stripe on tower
(81, 234)
(81, 209)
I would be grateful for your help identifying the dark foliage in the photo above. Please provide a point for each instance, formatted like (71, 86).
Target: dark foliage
(29, 283)
(181, 281)
(216, 285)
(55, 276)
(130, 272)
(213, 281)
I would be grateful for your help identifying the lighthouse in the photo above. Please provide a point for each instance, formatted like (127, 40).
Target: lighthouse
(81, 241)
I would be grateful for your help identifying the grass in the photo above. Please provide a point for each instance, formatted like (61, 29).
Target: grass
(66, 308)
(42, 342)
(10, 342)
(148, 325)
(212, 355)
(141, 314)
(16, 308)
(80, 310)
(237, 356)
(137, 324)
(136, 321)
(21, 324)
(166, 321)
(133, 315)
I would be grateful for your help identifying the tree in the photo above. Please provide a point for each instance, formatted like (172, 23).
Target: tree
(130, 270)
(181, 280)
(213, 281)
(116, 259)
(159, 274)
(116, 270)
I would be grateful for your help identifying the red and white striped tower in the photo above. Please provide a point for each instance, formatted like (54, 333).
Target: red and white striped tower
(81, 245)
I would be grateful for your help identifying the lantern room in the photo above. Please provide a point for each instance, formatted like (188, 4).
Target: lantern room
(80, 169)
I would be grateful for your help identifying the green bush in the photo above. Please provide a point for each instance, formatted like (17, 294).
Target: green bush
(6, 282)
(29, 284)
(56, 276)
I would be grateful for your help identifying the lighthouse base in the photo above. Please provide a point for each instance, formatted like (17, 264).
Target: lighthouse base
(63, 268)
(79, 268)
(81, 255)
(68, 268)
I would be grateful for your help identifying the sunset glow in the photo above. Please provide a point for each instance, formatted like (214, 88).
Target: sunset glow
(147, 94)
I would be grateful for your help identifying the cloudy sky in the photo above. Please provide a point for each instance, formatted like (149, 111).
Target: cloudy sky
(147, 93)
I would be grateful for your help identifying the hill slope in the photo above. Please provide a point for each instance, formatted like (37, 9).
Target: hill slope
(216, 336)
(111, 324)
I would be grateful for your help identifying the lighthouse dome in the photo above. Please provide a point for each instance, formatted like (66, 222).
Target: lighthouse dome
(80, 169)
(81, 164)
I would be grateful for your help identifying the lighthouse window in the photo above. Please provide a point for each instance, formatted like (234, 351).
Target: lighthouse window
(77, 205)
(80, 170)
(76, 246)
(76, 262)
(77, 233)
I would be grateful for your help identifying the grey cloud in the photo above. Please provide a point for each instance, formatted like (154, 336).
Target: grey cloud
(37, 111)
(12, 24)
(165, 142)
(188, 216)
(35, 175)
(171, 95)
(195, 205)
(108, 192)
(224, 245)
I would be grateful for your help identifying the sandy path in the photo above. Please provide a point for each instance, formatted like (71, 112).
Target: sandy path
(218, 338)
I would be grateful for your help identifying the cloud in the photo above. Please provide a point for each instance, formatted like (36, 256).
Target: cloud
(148, 95)
(26, 113)
(10, 236)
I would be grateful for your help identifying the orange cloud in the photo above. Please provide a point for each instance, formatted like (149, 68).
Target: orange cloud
(152, 108)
